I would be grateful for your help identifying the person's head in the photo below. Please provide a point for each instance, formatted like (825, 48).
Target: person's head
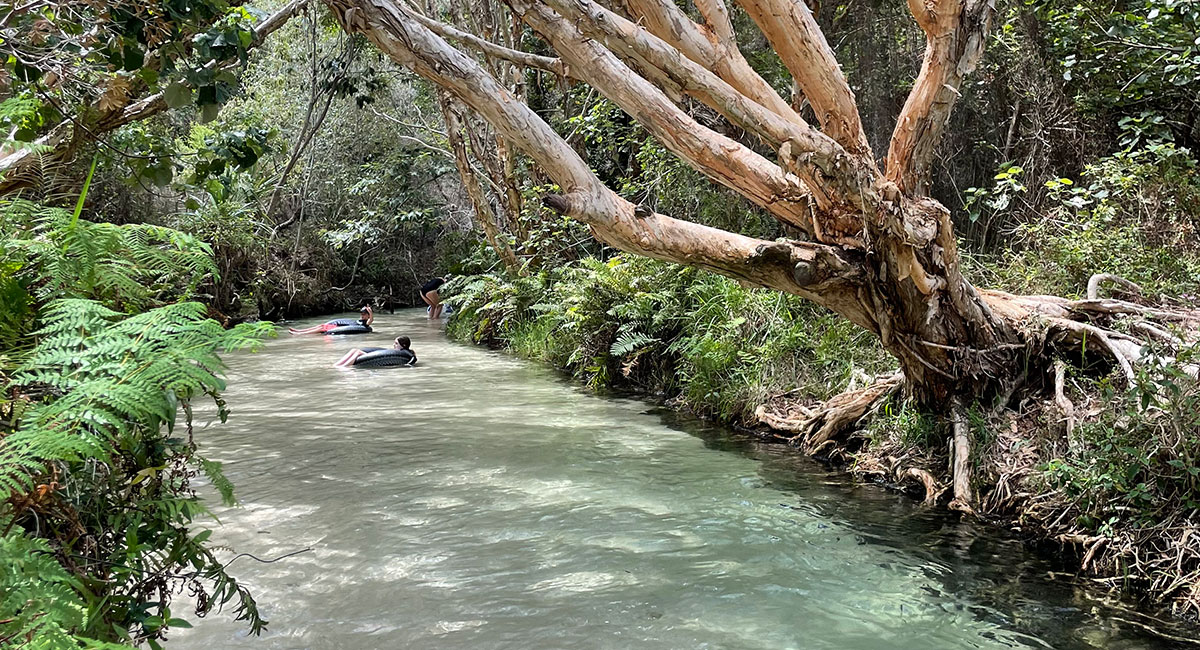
(402, 343)
(365, 310)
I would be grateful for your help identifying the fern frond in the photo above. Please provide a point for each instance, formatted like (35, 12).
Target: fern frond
(629, 342)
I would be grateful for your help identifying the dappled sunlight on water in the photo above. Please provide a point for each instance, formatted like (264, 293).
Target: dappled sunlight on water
(478, 501)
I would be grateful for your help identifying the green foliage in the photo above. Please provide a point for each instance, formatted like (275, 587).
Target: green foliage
(117, 383)
(95, 464)
(612, 137)
(236, 150)
(551, 239)
(672, 187)
(23, 117)
(1139, 463)
(50, 253)
(41, 605)
(1133, 214)
(634, 322)
(110, 50)
(1144, 53)
(994, 201)
(903, 421)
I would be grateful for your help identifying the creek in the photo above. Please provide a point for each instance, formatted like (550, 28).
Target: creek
(480, 501)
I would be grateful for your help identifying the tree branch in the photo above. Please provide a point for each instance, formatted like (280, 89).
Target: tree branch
(491, 49)
(810, 154)
(21, 169)
(956, 34)
(712, 47)
(721, 158)
(793, 31)
(826, 274)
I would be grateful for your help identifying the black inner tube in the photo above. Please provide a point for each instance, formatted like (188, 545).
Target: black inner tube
(377, 358)
(350, 329)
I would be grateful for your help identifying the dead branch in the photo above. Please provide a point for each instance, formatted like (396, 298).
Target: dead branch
(1060, 398)
(491, 49)
(817, 426)
(1094, 282)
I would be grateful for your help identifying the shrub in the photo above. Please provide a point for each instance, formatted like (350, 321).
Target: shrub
(1135, 214)
(655, 327)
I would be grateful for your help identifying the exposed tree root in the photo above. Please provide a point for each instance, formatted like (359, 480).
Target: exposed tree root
(961, 458)
(813, 427)
(1094, 282)
(1002, 476)
(1061, 400)
(932, 489)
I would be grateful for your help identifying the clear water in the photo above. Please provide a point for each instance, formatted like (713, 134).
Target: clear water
(479, 501)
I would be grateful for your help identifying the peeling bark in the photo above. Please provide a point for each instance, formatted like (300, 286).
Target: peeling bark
(956, 34)
(964, 497)
(722, 159)
(709, 47)
(792, 30)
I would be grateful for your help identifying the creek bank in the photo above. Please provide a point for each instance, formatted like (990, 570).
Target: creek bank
(1111, 487)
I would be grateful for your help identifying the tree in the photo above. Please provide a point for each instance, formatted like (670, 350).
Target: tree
(877, 250)
(88, 70)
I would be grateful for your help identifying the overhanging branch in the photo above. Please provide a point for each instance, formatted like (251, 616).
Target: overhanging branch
(827, 275)
(21, 169)
(808, 152)
(721, 158)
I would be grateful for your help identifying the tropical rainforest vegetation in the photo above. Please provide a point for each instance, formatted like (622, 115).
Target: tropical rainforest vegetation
(949, 244)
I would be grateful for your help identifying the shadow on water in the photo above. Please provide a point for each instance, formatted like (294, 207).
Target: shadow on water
(1010, 585)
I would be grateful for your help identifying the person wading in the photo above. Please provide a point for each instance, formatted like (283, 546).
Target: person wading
(429, 293)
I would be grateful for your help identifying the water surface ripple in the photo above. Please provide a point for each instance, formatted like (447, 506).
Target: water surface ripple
(479, 501)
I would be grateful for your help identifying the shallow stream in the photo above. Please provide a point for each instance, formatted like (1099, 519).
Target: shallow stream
(479, 501)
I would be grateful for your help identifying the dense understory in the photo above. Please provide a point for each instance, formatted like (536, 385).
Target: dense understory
(1103, 466)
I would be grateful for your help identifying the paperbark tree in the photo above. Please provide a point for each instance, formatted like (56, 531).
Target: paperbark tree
(876, 249)
(879, 251)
